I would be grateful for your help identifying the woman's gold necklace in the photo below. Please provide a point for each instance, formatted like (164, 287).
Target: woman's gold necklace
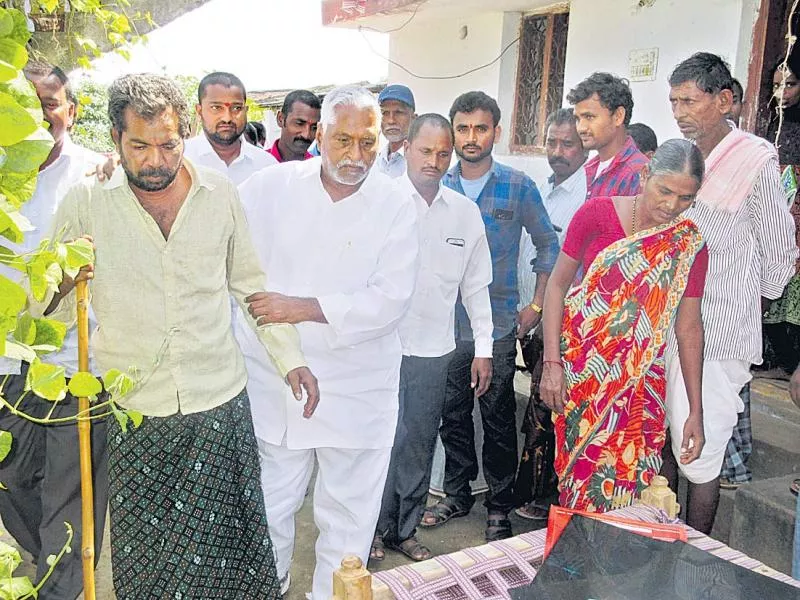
(633, 220)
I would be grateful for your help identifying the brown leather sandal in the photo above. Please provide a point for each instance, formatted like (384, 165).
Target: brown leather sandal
(412, 548)
(441, 512)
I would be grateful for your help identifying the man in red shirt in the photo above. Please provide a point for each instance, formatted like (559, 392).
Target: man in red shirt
(298, 119)
(603, 108)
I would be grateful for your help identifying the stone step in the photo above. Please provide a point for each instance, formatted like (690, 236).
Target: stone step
(764, 520)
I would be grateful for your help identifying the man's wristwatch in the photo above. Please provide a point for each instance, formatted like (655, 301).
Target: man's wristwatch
(536, 308)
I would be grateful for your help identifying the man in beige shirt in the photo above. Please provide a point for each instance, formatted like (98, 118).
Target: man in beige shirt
(187, 511)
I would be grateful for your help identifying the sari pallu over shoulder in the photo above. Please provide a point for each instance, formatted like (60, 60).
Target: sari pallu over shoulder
(609, 439)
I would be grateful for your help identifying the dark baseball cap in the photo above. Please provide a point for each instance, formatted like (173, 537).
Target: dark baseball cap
(397, 92)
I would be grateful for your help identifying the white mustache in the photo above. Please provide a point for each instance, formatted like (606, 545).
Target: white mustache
(351, 163)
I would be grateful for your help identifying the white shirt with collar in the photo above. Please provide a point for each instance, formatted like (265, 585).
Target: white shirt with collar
(52, 184)
(453, 256)
(391, 163)
(250, 160)
(561, 203)
(358, 258)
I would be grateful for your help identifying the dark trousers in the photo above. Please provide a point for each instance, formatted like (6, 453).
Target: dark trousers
(498, 412)
(422, 390)
(42, 474)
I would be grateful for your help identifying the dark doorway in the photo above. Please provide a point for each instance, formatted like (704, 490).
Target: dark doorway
(769, 46)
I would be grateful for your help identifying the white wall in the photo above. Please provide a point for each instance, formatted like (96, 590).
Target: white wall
(603, 32)
(433, 48)
(601, 35)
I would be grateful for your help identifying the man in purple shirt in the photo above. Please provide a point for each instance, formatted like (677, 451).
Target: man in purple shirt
(603, 108)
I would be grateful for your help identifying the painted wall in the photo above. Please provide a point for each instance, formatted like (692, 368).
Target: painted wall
(434, 48)
(601, 35)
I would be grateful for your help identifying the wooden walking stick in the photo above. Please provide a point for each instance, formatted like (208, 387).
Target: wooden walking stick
(85, 447)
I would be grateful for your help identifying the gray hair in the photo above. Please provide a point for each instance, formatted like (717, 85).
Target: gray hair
(348, 95)
(678, 156)
(148, 95)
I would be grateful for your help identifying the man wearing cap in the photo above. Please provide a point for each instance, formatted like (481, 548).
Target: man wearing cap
(397, 112)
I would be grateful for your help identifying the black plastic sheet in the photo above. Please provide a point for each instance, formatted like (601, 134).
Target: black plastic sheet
(593, 560)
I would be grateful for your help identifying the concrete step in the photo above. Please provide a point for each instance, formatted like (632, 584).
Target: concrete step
(763, 522)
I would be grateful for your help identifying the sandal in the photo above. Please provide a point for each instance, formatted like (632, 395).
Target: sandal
(532, 512)
(378, 549)
(412, 548)
(441, 512)
(795, 487)
(729, 484)
(498, 527)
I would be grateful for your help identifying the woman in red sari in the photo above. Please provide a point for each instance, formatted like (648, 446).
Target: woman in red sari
(604, 339)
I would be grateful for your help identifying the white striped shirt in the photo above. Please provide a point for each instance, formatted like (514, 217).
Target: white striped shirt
(561, 203)
(752, 253)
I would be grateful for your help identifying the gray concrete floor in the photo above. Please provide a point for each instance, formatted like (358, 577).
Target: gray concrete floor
(459, 533)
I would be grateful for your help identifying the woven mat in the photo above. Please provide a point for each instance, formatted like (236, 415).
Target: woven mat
(491, 570)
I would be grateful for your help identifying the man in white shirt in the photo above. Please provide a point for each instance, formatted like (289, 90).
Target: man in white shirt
(397, 112)
(221, 107)
(742, 214)
(42, 472)
(454, 258)
(563, 194)
(340, 242)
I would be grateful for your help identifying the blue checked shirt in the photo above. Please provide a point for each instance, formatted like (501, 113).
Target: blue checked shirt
(509, 201)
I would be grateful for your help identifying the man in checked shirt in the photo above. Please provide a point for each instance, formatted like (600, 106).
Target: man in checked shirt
(509, 201)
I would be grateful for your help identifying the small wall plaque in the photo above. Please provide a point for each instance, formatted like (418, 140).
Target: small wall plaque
(643, 64)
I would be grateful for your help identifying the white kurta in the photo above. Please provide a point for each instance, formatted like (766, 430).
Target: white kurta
(358, 257)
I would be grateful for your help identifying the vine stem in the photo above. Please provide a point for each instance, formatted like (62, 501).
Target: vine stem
(78, 416)
(65, 548)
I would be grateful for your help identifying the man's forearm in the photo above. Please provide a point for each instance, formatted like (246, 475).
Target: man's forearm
(541, 286)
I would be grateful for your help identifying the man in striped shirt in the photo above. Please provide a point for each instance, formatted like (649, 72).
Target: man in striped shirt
(603, 108)
(742, 214)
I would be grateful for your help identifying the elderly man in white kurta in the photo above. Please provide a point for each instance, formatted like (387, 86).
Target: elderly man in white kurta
(340, 243)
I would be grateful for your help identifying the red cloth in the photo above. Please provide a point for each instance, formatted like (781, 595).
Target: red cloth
(277, 153)
(596, 226)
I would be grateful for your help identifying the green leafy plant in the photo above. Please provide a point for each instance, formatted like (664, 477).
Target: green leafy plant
(24, 145)
(84, 29)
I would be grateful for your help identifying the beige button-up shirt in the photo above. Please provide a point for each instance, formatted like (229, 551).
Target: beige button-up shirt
(162, 305)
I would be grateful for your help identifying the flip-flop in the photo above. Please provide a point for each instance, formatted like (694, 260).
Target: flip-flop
(795, 487)
(412, 548)
(378, 549)
(442, 512)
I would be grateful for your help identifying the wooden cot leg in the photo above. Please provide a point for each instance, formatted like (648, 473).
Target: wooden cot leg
(352, 581)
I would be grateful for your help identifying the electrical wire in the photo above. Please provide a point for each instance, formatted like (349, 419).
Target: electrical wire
(411, 18)
(440, 77)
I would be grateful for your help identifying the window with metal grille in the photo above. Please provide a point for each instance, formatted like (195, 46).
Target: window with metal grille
(540, 78)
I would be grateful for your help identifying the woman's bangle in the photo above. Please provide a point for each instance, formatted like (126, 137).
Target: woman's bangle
(553, 362)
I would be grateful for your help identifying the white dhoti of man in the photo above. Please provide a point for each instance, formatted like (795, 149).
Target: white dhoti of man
(358, 258)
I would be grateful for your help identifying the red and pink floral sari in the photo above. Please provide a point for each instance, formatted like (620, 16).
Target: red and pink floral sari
(609, 439)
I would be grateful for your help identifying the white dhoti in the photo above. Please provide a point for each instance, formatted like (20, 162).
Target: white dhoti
(722, 382)
(347, 502)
